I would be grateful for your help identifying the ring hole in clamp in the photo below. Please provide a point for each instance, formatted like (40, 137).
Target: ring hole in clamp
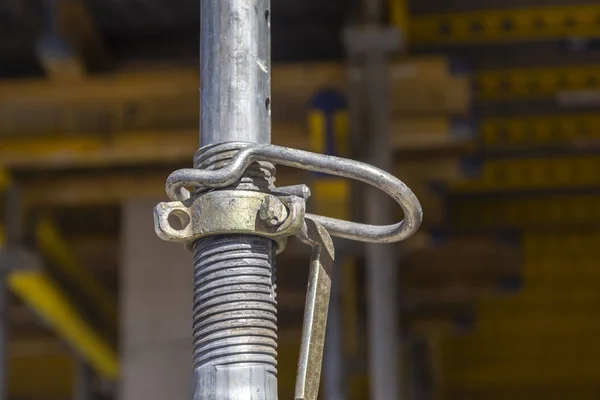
(179, 219)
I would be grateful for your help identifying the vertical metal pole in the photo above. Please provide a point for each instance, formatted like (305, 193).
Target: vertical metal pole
(235, 74)
(13, 238)
(83, 381)
(381, 259)
(420, 370)
(3, 336)
(235, 315)
(333, 366)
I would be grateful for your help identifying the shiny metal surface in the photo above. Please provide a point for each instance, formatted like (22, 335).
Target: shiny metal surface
(334, 366)
(235, 313)
(381, 261)
(235, 319)
(235, 66)
(315, 310)
(227, 212)
(230, 162)
(384, 181)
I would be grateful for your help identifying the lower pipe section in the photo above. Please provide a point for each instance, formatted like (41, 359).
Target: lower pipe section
(235, 319)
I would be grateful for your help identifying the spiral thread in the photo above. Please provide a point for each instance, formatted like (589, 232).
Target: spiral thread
(259, 176)
(235, 308)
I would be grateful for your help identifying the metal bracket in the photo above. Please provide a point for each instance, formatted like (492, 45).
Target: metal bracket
(277, 218)
(395, 188)
(245, 212)
(315, 311)
(230, 212)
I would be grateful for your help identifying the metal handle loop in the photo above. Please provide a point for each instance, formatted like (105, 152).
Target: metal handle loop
(413, 214)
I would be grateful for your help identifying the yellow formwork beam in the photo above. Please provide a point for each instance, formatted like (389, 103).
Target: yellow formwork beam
(547, 255)
(115, 187)
(573, 130)
(538, 332)
(291, 82)
(571, 316)
(131, 148)
(545, 295)
(525, 211)
(135, 148)
(5, 179)
(126, 148)
(535, 83)
(142, 117)
(507, 358)
(425, 133)
(534, 173)
(515, 342)
(47, 300)
(518, 391)
(108, 188)
(505, 26)
(529, 349)
(37, 290)
(168, 100)
(549, 245)
(546, 240)
(400, 17)
(523, 373)
(43, 360)
(49, 376)
(53, 246)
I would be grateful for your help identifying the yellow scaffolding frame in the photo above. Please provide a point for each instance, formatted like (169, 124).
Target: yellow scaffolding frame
(576, 130)
(559, 172)
(504, 26)
(535, 83)
(37, 290)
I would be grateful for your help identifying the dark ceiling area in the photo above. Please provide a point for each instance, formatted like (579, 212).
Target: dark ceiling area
(159, 31)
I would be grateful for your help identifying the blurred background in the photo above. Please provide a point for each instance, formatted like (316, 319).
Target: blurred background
(493, 122)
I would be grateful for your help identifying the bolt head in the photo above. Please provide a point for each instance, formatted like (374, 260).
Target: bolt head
(272, 211)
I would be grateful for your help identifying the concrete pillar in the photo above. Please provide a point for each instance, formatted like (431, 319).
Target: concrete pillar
(83, 380)
(156, 304)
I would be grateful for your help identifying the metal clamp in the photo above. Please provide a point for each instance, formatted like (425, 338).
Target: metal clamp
(315, 310)
(278, 215)
(395, 188)
(277, 218)
(230, 212)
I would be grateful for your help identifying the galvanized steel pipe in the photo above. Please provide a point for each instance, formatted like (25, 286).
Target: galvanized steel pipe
(235, 314)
